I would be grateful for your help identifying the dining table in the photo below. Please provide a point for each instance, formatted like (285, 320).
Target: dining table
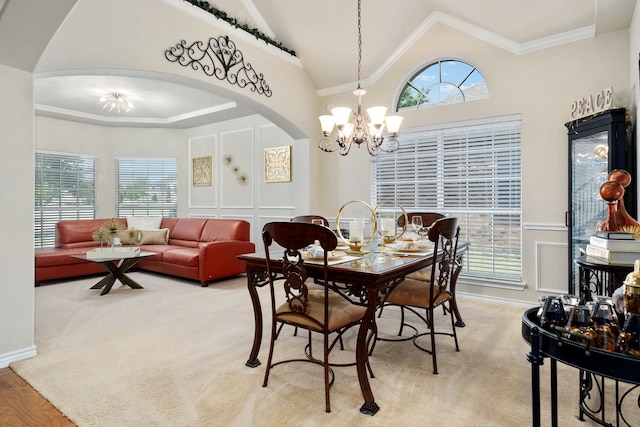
(370, 277)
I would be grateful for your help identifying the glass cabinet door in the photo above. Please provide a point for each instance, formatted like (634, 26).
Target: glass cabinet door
(597, 145)
(589, 156)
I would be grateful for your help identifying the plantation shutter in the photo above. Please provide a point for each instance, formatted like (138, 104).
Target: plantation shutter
(65, 189)
(146, 187)
(468, 170)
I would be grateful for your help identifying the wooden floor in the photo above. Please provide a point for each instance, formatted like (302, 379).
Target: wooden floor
(22, 406)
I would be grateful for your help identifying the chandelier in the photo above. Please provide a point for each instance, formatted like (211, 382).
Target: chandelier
(358, 127)
(116, 101)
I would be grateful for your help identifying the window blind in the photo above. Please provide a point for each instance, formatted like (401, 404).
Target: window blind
(65, 188)
(146, 187)
(468, 170)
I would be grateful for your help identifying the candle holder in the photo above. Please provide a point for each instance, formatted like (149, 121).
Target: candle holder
(358, 242)
(388, 228)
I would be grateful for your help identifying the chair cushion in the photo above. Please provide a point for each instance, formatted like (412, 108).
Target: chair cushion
(341, 312)
(423, 274)
(415, 293)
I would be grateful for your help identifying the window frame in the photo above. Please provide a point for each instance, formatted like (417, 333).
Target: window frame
(157, 168)
(441, 80)
(414, 177)
(69, 206)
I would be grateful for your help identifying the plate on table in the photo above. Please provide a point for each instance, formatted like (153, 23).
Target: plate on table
(411, 249)
(334, 255)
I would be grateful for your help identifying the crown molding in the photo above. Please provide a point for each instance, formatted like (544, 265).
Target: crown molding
(210, 19)
(472, 30)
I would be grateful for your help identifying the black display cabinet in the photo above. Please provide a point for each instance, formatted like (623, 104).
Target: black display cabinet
(598, 144)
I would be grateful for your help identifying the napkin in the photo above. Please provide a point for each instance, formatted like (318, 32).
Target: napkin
(316, 251)
(401, 245)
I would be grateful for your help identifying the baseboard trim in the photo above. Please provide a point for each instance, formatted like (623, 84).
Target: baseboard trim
(15, 356)
(495, 300)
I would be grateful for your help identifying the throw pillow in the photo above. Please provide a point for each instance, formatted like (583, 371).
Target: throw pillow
(128, 237)
(154, 237)
(143, 222)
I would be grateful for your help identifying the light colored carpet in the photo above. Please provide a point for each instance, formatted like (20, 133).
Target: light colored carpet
(174, 353)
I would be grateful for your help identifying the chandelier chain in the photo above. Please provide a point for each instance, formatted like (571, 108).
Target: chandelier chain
(359, 44)
(360, 127)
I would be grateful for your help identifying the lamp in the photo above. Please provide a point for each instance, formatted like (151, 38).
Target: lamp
(358, 127)
(116, 101)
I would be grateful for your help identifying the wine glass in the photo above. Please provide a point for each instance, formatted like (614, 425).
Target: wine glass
(416, 223)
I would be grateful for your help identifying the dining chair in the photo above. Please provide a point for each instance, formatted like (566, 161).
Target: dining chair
(428, 218)
(309, 219)
(415, 295)
(305, 305)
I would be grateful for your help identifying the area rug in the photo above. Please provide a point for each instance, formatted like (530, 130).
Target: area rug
(174, 353)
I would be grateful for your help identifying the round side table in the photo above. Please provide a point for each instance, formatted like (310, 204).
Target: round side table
(598, 277)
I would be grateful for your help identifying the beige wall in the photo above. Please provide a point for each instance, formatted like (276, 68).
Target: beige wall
(246, 139)
(634, 69)
(540, 86)
(16, 191)
(107, 144)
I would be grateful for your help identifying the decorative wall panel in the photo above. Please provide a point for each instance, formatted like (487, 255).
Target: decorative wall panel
(237, 169)
(202, 188)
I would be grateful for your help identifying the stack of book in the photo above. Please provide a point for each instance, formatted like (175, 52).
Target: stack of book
(614, 247)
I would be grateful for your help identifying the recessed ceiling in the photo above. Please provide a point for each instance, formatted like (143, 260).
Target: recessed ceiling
(156, 103)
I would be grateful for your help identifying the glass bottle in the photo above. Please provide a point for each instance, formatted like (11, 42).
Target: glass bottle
(553, 314)
(605, 325)
(629, 339)
(632, 291)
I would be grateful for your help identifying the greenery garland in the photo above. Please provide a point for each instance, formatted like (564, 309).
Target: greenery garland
(206, 6)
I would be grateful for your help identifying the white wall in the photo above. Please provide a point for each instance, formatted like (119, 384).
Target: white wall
(16, 191)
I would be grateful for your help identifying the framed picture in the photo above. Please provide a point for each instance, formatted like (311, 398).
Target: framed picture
(202, 171)
(277, 164)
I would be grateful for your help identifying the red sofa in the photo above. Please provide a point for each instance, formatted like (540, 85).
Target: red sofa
(198, 248)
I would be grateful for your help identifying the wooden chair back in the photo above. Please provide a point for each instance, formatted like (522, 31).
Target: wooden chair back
(444, 234)
(309, 219)
(428, 218)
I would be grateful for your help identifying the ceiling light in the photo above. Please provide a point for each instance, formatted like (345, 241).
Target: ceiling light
(358, 127)
(116, 101)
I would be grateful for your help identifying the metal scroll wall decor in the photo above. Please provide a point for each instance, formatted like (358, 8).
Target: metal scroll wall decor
(219, 58)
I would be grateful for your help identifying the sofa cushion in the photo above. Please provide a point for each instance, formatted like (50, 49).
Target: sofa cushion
(168, 222)
(158, 249)
(47, 257)
(184, 256)
(78, 233)
(187, 232)
(224, 229)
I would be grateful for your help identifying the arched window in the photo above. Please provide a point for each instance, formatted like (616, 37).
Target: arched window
(443, 82)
